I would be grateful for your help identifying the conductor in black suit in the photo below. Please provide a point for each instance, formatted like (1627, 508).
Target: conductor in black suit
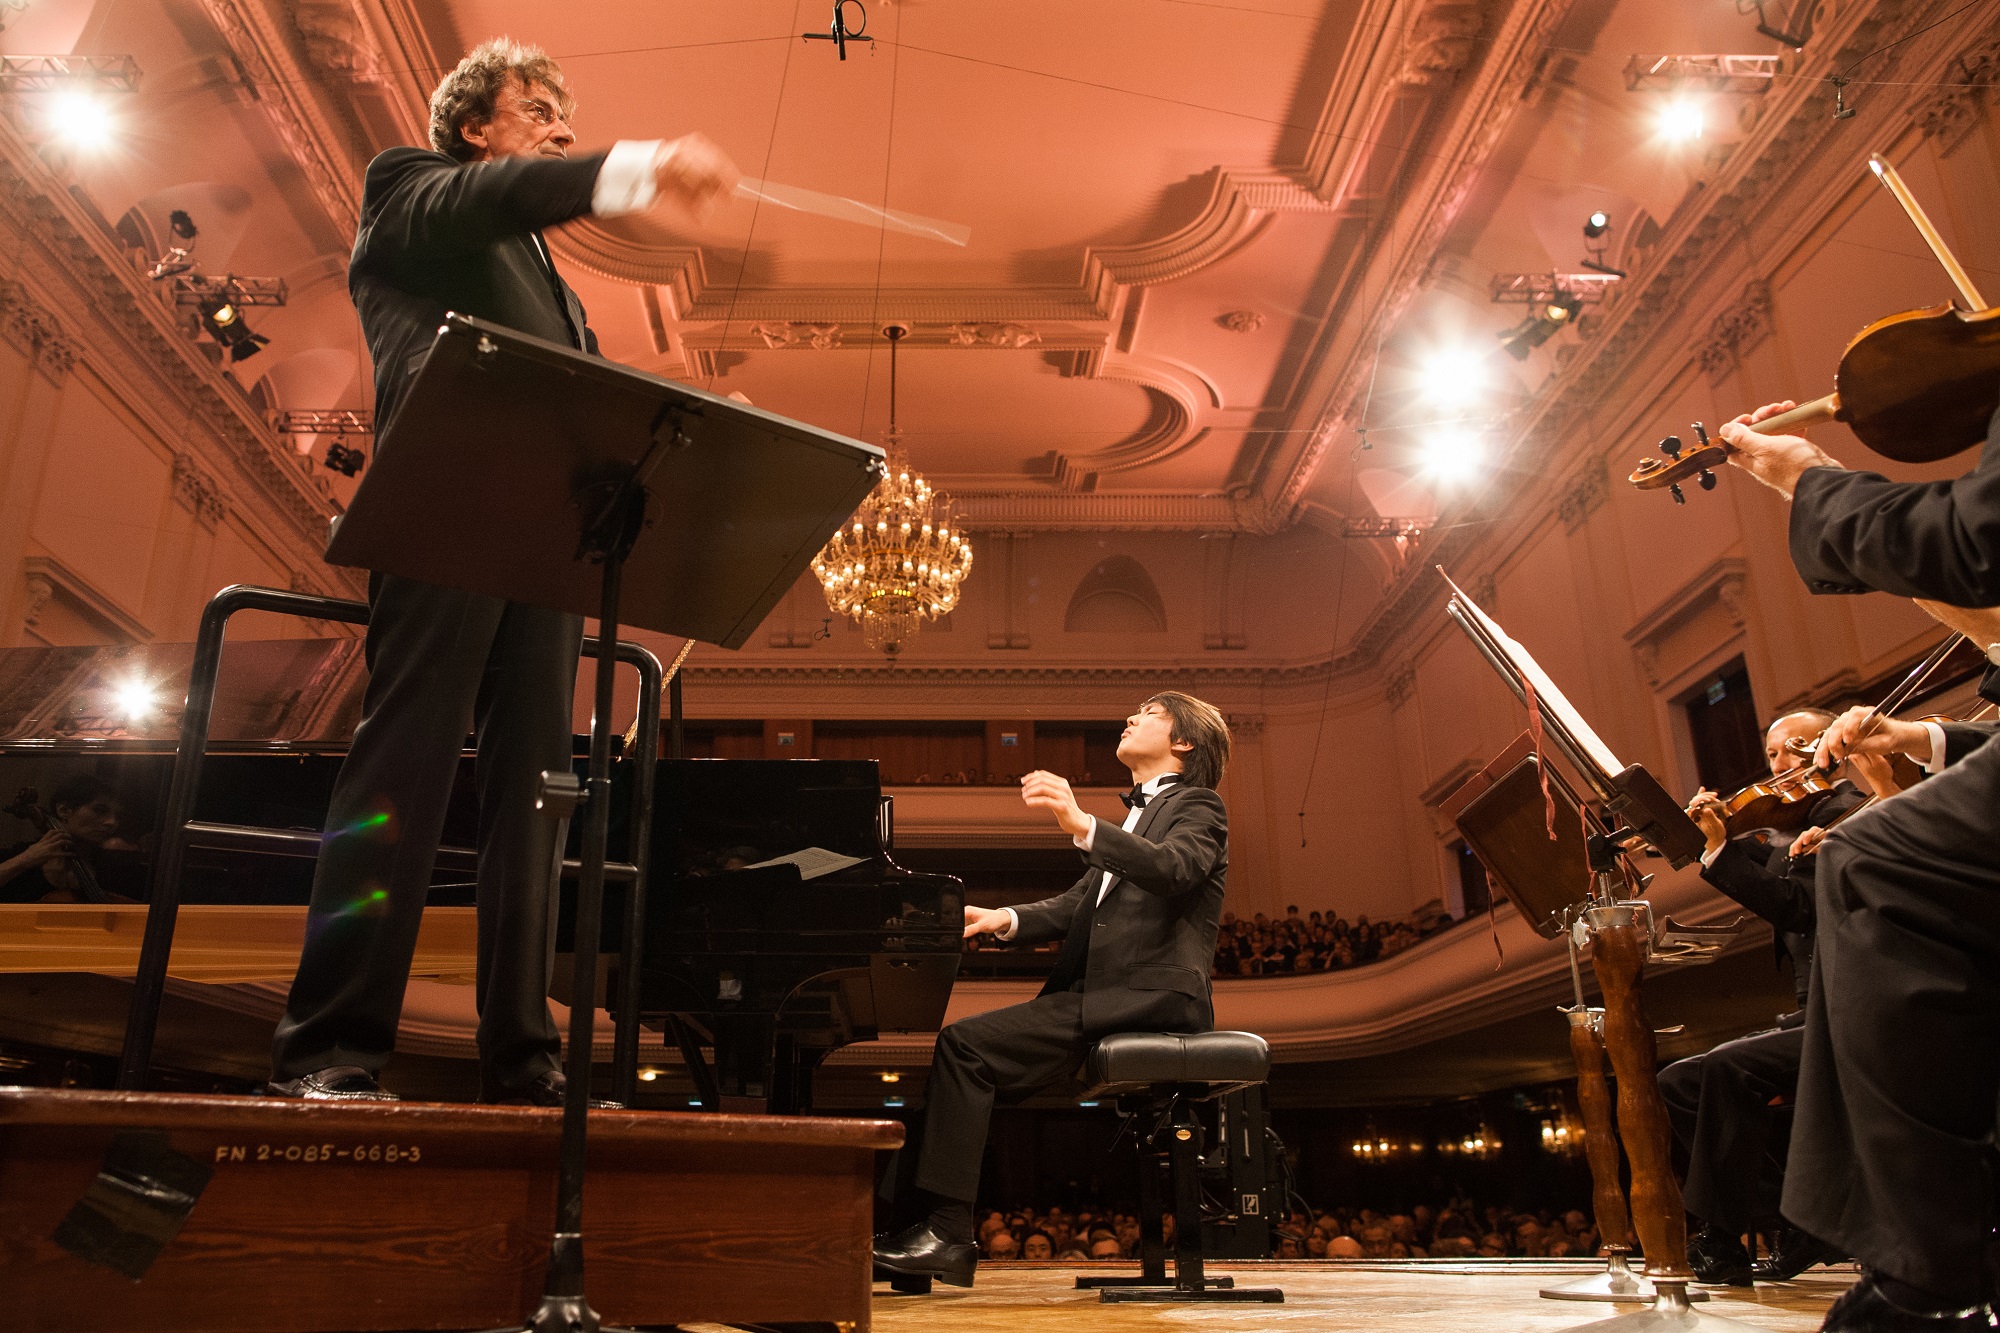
(1893, 1138)
(1138, 943)
(458, 227)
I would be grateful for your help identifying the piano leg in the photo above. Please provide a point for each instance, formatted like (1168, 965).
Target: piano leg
(743, 1061)
(696, 1062)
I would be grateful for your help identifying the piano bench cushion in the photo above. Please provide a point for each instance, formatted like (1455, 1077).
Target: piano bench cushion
(1129, 1061)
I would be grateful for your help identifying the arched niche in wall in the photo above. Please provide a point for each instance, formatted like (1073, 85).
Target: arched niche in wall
(1116, 597)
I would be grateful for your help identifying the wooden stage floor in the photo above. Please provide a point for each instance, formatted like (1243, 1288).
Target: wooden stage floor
(1490, 1296)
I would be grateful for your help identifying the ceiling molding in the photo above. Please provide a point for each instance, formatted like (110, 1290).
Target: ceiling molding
(280, 84)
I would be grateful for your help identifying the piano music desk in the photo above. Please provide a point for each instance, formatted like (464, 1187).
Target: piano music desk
(352, 1216)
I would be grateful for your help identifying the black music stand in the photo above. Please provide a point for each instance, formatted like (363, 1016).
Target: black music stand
(515, 465)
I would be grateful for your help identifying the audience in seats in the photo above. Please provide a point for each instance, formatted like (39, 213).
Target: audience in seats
(1458, 1229)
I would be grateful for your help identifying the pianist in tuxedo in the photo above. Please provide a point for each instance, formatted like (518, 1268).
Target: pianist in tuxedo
(1892, 1142)
(458, 226)
(1138, 939)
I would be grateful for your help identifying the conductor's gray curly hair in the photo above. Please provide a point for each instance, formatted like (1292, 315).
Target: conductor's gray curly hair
(471, 92)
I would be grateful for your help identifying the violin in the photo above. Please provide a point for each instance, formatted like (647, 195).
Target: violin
(1783, 804)
(1915, 387)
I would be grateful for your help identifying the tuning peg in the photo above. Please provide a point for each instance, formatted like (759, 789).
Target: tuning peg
(1671, 446)
(1675, 491)
(1707, 480)
(1701, 434)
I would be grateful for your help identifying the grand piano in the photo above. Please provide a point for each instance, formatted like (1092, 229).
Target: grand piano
(779, 927)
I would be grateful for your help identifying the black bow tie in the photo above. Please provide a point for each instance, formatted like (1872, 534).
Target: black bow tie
(1136, 798)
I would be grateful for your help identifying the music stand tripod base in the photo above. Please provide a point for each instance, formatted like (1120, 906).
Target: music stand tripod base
(1617, 1283)
(1669, 1313)
(1097, 1283)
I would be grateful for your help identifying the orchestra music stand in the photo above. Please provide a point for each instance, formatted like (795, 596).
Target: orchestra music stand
(1630, 808)
(522, 469)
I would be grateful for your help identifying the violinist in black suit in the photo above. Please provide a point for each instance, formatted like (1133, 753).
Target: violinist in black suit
(1721, 1101)
(1138, 941)
(458, 227)
(1892, 1143)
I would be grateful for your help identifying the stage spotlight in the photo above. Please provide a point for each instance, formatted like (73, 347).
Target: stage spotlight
(1562, 308)
(1526, 336)
(223, 318)
(344, 460)
(81, 119)
(1452, 455)
(1680, 121)
(1596, 225)
(1453, 376)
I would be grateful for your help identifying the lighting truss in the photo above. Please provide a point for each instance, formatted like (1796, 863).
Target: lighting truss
(342, 421)
(193, 289)
(1385, 527)
(1713, 74)
(42, 74)
(1548, 288)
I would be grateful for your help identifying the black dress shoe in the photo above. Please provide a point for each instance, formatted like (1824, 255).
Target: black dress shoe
(1718, 1259)
(1792, 1252)
(340, 1083)
(1864, 1309)
(919, 1252)
(549, 1090)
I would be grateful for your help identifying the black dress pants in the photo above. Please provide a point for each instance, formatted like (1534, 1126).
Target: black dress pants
(440, 662)
(1720, 1106)
(1893, 1140)
(1006, 1055)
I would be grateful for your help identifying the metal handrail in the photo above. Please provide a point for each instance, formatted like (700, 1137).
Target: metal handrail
(163, 901)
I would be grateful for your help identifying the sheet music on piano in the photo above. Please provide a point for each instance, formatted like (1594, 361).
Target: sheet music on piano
(812, 862)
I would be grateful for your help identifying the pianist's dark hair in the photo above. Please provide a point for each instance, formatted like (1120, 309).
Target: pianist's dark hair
(1201, 726)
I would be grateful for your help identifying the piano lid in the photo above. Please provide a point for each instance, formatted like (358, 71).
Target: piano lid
(300, 692)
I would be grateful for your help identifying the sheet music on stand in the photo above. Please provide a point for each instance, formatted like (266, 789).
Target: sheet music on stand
(1628, 791)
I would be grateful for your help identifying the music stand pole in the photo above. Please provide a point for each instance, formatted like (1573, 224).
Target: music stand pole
(620, 512)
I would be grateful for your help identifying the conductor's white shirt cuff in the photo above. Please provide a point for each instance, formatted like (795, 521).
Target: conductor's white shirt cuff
(1089, 836)
(625, 181)
(1936, 761)
(1013, 925)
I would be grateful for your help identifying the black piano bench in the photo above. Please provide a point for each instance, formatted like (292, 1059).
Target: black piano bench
(1157, 1078)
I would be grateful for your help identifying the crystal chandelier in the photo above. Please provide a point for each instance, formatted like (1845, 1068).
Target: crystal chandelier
(901, 558)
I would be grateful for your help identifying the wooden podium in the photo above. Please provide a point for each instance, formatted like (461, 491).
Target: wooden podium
(152, 1213)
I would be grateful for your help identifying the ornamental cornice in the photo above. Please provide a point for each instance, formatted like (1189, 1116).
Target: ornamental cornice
(280, 85)
(35, 332)
(1067, 511)
(119, 314)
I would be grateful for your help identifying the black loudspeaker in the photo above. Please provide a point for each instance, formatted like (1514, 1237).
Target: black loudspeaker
(1243, 1178)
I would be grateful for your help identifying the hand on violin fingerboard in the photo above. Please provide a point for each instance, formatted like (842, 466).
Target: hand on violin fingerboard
(1776, 460)
(1707, 812)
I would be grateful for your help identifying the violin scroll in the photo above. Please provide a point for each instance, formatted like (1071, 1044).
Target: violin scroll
(1667, 474)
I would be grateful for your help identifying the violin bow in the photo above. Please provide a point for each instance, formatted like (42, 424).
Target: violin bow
(1896, 698)
(1960, 279)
